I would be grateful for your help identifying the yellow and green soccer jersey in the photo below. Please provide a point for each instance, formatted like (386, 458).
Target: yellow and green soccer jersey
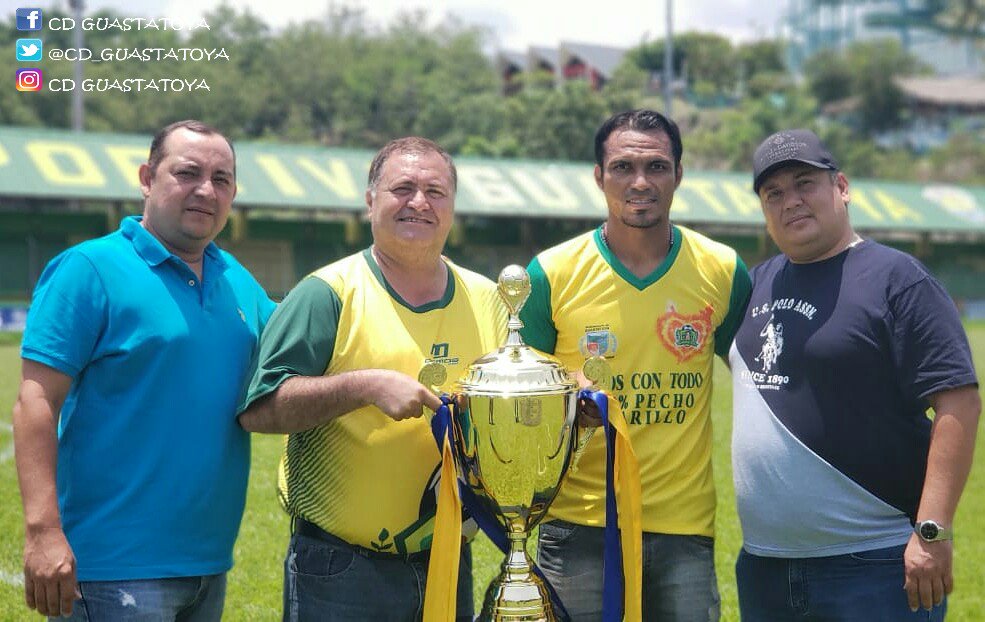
(364, 477)
(659, 334)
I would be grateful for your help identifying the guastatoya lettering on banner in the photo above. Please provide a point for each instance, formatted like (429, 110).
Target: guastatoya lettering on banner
(56, 164)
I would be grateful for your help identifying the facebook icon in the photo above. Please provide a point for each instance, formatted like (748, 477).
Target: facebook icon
(29, 19)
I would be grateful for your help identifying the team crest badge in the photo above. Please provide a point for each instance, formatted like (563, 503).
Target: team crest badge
(684, 335)
(598, 343)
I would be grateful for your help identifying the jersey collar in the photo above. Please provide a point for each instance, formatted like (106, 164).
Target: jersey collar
(441, 303)
(624, 272)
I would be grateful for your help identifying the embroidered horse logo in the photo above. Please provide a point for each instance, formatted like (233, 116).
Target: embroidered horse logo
(772, 346)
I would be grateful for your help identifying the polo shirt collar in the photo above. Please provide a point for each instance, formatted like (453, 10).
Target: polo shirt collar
(150, 248)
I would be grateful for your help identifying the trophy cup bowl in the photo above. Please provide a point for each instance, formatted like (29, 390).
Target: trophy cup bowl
(514, 434)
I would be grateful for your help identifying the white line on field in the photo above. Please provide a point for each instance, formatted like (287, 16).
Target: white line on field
(11, 579)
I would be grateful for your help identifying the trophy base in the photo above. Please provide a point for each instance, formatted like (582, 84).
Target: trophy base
(517, 600)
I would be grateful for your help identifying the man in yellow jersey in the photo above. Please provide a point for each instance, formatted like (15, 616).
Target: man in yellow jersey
(337, 372)
(658, 301)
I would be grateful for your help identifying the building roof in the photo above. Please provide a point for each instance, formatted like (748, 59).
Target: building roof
(537, 54)
(838, 107)
(602, 58)
(965, 92)
(508, 58)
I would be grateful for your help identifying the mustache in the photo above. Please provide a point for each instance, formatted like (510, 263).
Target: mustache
(654, 196)
(415, 215)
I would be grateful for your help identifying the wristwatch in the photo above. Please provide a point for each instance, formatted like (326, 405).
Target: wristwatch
(931, 531)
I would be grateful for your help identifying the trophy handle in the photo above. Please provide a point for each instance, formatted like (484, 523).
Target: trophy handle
(584, 435)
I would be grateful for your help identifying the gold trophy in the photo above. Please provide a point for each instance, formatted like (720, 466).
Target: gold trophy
(514, 435)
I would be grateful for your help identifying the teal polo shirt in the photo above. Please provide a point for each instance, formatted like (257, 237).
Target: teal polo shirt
(152, 465)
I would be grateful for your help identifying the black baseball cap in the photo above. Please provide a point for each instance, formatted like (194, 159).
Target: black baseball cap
(789, 146)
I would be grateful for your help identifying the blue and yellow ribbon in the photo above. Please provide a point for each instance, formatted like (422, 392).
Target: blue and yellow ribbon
(442, 582)
(622, 566)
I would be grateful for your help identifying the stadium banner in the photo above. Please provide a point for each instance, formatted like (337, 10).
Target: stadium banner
(60, 164)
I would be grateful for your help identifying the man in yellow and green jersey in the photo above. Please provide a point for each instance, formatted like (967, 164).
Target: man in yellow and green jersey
(337, 372)
(658, 301)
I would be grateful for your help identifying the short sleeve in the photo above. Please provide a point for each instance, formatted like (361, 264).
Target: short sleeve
(265, 306)
(538, 326)
(738, 300)
(298, 340)
(931, 350)
(68, 314)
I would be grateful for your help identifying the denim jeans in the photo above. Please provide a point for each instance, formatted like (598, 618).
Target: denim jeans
(679, 583)
(330, 580)
(843, 588)
(182, 599)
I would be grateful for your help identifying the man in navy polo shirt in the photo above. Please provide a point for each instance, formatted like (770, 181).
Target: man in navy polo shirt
(846, 489)
(132, 467)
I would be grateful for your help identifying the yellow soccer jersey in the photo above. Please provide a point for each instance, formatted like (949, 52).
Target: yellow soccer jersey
(659, 334)
(364, 477)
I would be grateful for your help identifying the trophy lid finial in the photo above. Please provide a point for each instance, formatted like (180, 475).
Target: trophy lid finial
(514, 287)
(515, 369)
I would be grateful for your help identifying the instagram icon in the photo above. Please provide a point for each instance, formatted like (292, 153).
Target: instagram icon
(29, 79)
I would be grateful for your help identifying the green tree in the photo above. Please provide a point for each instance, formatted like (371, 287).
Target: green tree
(867, 70)
(963, 19)
(967, 16)
(961, 160)
(557, 124)
(763, 56)
(829, 76)
(728, 141)
(876, 65)
(628, 78)
(861, 158)
(703, 57)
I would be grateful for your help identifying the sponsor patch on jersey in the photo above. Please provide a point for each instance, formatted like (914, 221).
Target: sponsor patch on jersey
(440, 354)
(684, 335)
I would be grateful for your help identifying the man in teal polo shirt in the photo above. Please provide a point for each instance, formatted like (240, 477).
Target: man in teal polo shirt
(132, 467)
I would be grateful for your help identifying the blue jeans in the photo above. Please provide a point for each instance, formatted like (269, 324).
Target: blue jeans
(842, 588)
(329, 580)
(182, 599)
(679, 583)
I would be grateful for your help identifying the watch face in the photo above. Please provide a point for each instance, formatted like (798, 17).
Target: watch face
(928, 530)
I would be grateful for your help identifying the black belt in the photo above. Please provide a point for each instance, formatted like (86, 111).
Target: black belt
(313, 531)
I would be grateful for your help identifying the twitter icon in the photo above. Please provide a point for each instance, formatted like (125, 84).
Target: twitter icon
(29, 50)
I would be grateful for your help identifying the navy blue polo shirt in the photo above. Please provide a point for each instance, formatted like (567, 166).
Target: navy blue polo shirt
(831, 367)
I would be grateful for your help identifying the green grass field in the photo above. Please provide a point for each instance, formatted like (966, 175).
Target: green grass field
(255, 582)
